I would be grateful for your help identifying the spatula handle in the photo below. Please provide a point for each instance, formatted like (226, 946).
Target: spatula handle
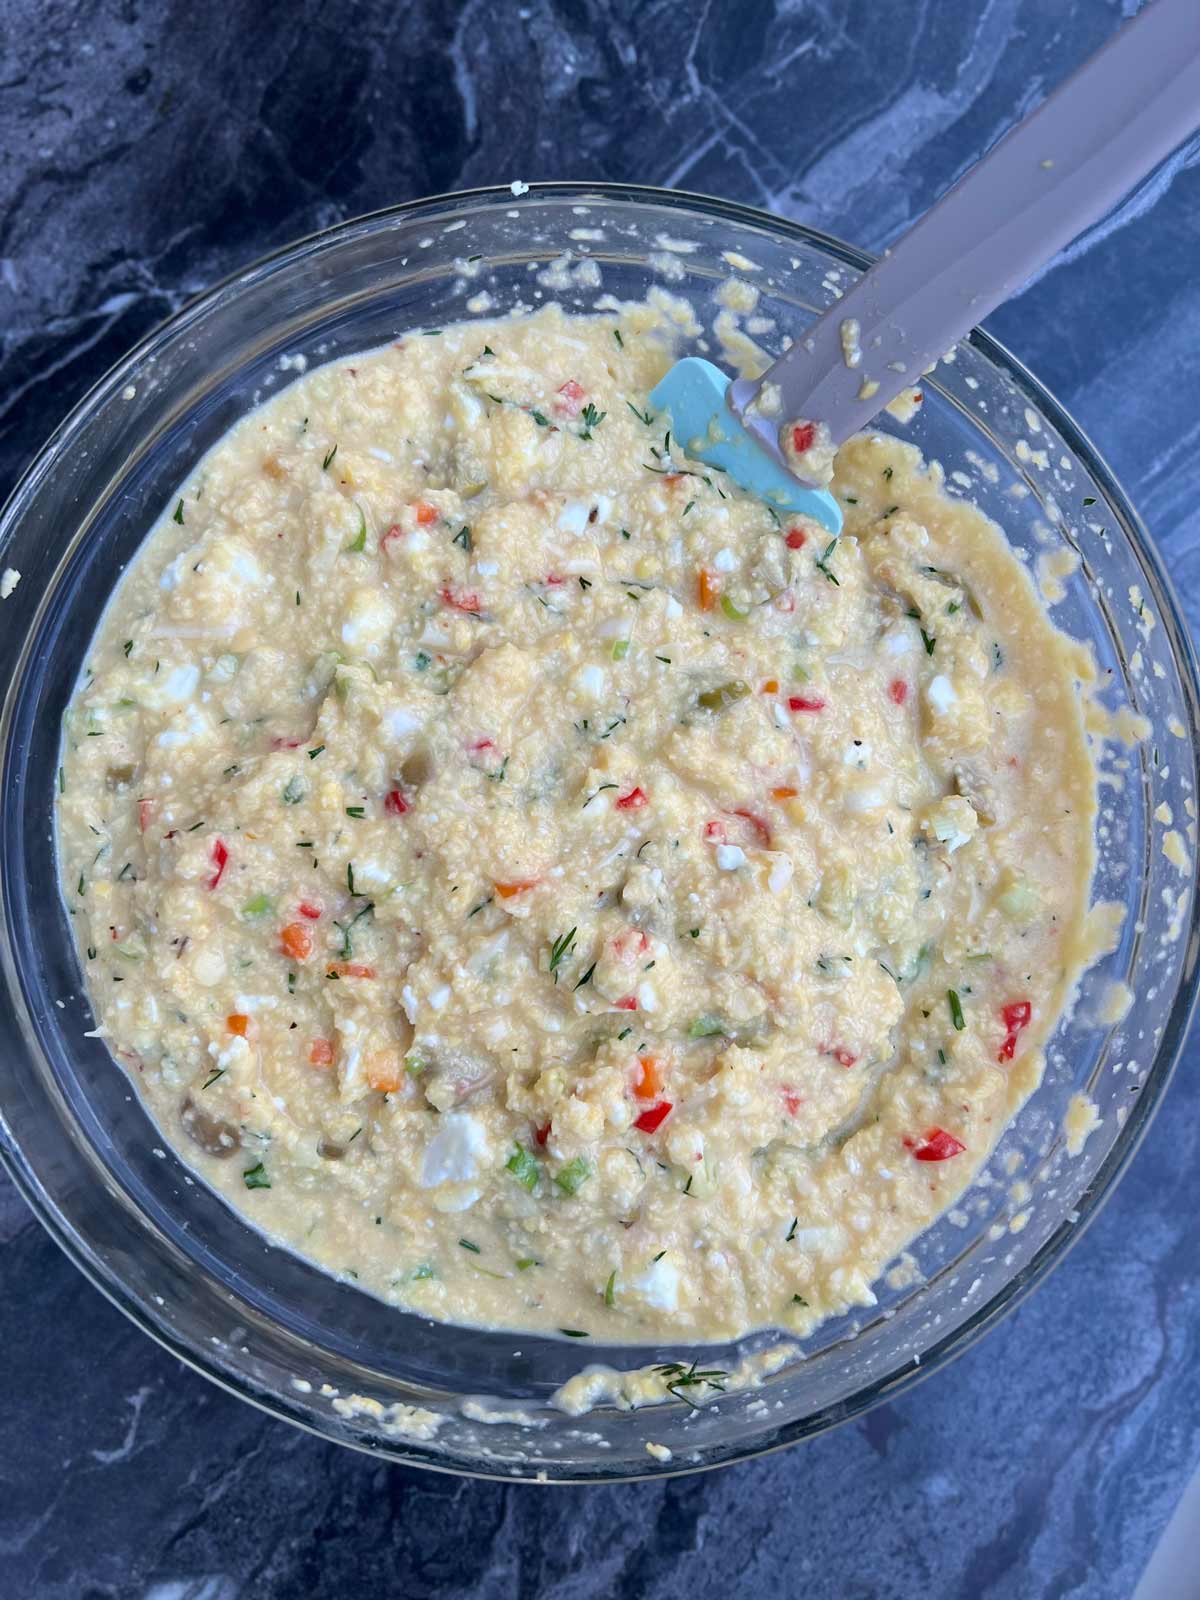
(1054, 174)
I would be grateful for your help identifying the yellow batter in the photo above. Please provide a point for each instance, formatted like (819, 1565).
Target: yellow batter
(525, 875)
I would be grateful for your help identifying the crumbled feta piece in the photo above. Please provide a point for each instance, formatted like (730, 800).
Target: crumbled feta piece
(452, 1155)
(658, 1285)
(941, 693)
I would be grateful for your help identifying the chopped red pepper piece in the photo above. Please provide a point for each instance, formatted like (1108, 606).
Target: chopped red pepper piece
(937, 1145)
(627, 1003)
(393, 536)
(633, 801)
(805, 702)
(715, 833)
(145, 813)
(761, 830)
(898, 690)
(307, 909)
(843, 1057)
(569, 399)
(650, 1120)
(280, 743)
(1016, 1016)
(469, 602)
(395, 804)
(630, 944)
(219, 856)
(796, 539)
(792, 1101)
(542, 1134)
(803, 436)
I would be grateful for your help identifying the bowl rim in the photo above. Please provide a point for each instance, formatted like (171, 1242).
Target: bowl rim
(959, 1340)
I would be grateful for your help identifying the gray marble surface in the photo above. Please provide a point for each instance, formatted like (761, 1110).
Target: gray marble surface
(146, 149)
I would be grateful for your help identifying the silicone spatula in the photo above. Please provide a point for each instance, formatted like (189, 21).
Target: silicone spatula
(1054, 174)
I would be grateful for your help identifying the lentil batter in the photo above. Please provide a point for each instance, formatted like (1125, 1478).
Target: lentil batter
(525, 875)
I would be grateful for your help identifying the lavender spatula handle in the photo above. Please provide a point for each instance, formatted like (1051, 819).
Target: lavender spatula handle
(1058, 171)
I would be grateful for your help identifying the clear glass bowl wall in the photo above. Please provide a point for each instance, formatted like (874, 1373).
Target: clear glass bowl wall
(72, 1128)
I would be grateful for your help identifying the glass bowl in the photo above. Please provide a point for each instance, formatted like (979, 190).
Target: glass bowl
(319, 1352)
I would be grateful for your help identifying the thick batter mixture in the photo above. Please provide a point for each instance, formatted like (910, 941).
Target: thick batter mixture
(529, 878)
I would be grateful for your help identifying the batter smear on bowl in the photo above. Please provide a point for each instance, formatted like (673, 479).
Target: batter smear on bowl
(525, 874)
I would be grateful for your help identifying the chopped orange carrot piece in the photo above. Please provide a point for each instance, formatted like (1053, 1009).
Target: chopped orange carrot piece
(320, 1053)
(385, 1071)
(349, 969)
(426, 513)
(296, 941)
(238, 1022)
(507, 890)
(784, 792)
(706, 590)
(771, 686)
(649, 1083)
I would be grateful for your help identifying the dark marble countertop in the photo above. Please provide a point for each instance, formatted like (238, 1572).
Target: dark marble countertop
(146, 149)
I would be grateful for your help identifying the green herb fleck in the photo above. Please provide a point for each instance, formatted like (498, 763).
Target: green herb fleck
(523, 1168)
(683, 1378)
(359, 542)
(468, 1244)
(591, 418)
(956, 1010)
(293, 792)
(178, 517)
(328, 461)
(707, 1027)
(256, 1177)
(560, 950)
(610, 1296)
(573, 1176)
(823, 563)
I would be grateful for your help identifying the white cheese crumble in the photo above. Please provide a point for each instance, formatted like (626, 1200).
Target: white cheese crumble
(730, 857)
(452, 1155)
(941, 693)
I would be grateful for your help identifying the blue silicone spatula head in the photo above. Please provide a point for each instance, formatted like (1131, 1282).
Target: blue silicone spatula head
(694, 392)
